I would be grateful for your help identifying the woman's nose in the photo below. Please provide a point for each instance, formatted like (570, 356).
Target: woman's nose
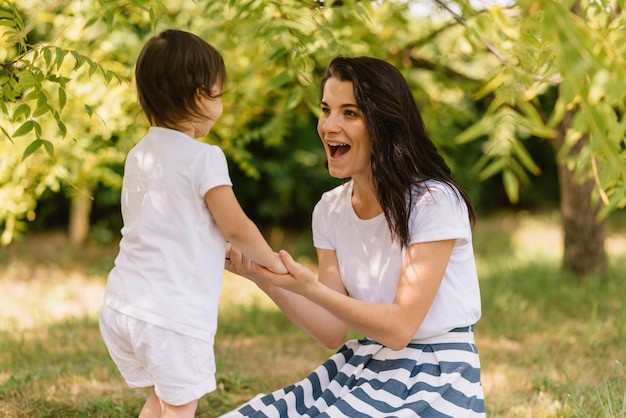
(330, 123)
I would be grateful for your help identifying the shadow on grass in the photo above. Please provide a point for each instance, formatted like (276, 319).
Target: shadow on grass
(64, 370)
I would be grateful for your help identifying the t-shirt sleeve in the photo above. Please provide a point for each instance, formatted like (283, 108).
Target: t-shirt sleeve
(212, 170)
(321, 236)
(439, 213)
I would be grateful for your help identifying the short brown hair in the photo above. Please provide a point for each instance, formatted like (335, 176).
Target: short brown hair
(171, 69)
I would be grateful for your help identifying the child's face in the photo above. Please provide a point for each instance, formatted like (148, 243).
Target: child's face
(211, 109)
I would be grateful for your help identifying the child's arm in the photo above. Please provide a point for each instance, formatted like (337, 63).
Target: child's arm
(239, 230)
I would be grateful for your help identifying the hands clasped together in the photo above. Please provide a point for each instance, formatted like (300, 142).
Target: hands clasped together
(297, 280)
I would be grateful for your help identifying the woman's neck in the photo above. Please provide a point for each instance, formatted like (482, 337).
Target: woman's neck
(365, 200)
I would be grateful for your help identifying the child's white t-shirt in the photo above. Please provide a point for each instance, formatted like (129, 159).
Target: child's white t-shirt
(370, 263)
(171, 262)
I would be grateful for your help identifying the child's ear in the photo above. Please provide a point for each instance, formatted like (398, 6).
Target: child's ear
(200, 94)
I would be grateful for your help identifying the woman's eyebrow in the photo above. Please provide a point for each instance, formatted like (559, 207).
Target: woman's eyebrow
(345, 105)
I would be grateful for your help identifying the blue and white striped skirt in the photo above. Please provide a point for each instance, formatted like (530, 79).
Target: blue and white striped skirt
(433, 377)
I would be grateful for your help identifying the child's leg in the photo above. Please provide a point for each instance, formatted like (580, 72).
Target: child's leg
(182, 411)
(152, 407)
(156, 408)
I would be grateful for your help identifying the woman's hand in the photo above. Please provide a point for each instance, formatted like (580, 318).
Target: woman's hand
(300, 276)
(286, 290)
(236, 262)
(297, 281)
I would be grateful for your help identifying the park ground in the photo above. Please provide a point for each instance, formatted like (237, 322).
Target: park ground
(550, 346)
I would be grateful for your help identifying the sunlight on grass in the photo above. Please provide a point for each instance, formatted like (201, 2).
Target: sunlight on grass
(550, 346)
(47, 297)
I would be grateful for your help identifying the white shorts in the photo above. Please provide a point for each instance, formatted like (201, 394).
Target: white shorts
(181, 368)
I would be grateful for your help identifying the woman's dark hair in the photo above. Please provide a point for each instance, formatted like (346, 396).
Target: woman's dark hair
(171, 70)
(402, 152)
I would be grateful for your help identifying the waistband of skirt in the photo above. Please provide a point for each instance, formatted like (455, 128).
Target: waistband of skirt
(455, 335)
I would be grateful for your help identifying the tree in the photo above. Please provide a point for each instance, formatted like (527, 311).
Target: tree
(571, 50)
(61, 109)
(70, 117)
(274, 51)
(551, 70)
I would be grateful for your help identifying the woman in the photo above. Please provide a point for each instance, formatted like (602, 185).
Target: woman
(396, 264)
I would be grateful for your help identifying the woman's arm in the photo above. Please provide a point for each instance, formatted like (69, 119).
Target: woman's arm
(393, 324)
(239, 229)
(311, 318)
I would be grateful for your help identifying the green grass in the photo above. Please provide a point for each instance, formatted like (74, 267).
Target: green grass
(550, 346)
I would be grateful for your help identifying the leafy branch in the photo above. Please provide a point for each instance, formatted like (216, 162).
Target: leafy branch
(34, 82)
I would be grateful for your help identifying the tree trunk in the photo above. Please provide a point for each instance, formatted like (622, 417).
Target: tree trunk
(584, 235)
(80, 210)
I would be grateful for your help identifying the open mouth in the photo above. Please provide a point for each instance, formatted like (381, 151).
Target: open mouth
(337, 150)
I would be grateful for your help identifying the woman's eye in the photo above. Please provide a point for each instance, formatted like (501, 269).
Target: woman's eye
(350, 113)
(325, 110)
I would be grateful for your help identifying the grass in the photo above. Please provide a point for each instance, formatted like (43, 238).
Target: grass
(550, 346)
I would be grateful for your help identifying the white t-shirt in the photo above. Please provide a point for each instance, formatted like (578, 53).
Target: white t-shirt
(171, 262)
(370, 263)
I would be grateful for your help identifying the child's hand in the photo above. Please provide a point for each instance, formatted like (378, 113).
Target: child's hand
(279, 267)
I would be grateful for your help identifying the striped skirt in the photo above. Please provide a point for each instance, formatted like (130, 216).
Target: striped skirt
(434, 377)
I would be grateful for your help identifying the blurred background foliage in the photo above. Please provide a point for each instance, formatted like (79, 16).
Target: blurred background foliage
(498, 83)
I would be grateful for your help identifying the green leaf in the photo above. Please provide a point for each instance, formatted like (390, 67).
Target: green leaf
(511, 185)
(22, 110)
(47, 55)
(80, 60)
(91, 21)
(25, 128)
(37, 129)
(279, 80)
(108, 18)
(294, 98)
(93, 67)
(6, 134)
(477, 130)
(490, 86)
(62, 127)
(153, 18)
(41, 110)
(42, 104)
(30, 149)
(49, 147)
(496, 166)
(62, 98)
(524, 157)
(26, 79)
(60, 56)
(5, 14)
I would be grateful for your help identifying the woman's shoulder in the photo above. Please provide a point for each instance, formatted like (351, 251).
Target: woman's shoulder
(335, 198)
(431, 189)
(338, 191)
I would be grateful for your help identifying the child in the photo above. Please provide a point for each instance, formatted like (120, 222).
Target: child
(160, 306)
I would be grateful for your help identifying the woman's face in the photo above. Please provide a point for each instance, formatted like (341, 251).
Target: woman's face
(344, 133)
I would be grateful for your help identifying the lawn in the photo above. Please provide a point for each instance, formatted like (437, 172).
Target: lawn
(550, 346)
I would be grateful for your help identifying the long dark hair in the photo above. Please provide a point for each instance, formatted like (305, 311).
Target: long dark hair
(403, 154)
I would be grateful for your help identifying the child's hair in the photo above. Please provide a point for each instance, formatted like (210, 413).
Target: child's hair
(171, 70)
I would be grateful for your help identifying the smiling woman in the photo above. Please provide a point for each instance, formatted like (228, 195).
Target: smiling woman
(343, 131)
(396, 264)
